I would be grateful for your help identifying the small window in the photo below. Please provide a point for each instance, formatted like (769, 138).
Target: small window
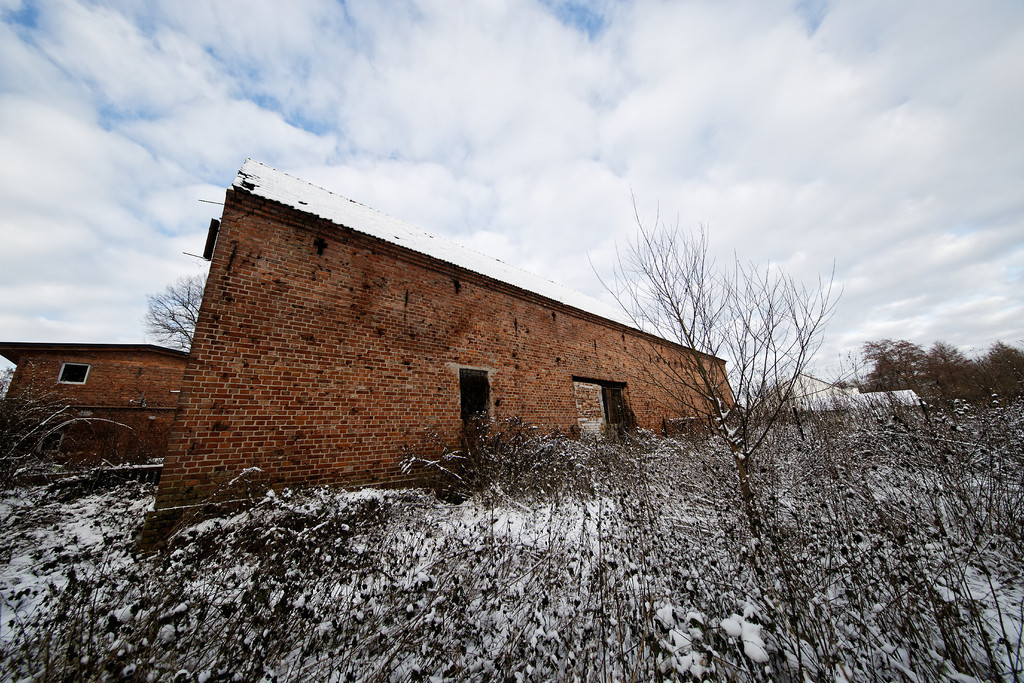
(73, 373)
(475, 393)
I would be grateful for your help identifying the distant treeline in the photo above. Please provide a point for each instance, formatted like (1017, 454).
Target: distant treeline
(943, 373)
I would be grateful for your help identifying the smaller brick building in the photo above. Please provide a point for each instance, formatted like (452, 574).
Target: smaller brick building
(129, 392)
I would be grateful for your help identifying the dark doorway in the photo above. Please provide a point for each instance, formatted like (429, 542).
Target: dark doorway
(475, 392)
(614, 407)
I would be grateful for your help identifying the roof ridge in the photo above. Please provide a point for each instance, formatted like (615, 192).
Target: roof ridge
(268, 182)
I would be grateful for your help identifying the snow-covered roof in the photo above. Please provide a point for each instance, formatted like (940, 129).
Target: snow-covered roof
(263, 181)
(903, 397)
(845, 399)
(811, 393)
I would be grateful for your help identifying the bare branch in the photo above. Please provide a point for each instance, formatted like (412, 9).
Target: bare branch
(172, 315)
(761, 321)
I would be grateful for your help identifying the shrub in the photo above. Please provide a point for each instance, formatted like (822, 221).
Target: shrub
(891, 551)
(30, 429)
(512, 460)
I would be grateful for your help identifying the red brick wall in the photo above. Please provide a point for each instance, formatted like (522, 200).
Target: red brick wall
(320, 368)
(117, 376)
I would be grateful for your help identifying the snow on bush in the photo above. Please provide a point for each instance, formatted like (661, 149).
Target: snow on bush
(891, 550)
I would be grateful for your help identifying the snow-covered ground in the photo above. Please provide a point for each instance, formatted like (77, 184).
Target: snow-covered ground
(888, 552)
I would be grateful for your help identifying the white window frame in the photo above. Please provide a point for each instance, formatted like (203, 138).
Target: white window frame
(64, 381)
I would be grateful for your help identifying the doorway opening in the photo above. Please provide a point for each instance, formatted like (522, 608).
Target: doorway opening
(475, 394)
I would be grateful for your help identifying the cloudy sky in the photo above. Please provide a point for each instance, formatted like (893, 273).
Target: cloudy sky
(884, 137)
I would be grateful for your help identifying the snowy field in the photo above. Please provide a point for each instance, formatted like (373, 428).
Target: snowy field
(889, 550)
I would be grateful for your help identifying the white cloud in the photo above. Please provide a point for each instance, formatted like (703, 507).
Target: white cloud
(877, 136)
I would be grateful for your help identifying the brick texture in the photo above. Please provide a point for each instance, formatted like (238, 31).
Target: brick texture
(324, 368)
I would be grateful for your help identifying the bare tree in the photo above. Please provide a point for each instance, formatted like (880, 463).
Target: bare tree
(758, 319)
(172, 315)
(895, 365)
(944, 374)
(1000, 371)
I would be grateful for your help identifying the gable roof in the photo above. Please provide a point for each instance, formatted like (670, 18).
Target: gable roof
(263, 181)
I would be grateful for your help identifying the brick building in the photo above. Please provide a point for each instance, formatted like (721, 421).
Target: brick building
(130, 392)
(332, 337)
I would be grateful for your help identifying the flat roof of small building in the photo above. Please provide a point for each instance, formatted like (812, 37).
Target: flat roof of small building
(13, 351)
